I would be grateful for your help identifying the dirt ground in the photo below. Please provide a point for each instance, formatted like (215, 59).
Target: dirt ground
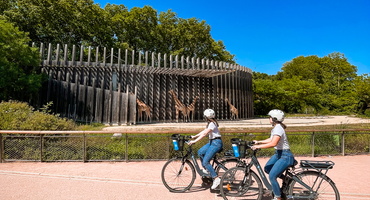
(248, 123)
(141, 180)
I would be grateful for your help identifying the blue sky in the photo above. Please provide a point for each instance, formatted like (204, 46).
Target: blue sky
(265, 34)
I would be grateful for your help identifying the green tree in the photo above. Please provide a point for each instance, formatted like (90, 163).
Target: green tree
(312, 84)
(81, 22)
(362, 91)
(19, 64)
(64, 22)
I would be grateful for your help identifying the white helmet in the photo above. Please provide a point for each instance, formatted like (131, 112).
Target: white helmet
(277, 115)
(209, 113)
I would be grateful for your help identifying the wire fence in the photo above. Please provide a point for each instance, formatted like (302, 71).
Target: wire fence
(87, 146)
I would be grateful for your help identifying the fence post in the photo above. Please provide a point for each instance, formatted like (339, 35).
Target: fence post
(343, 143)
(84, 149)
(126, 153)
(1, 148)
(41, 147)
(313, 144)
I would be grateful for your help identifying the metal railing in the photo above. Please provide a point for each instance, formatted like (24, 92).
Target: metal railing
(85, 146)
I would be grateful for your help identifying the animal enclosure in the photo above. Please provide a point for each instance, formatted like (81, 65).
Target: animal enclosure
(112, 86)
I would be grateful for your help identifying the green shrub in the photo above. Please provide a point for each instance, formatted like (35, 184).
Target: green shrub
(15, 115)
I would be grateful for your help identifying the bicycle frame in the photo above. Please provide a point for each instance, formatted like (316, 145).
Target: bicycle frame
(189, 152)
(256, 163)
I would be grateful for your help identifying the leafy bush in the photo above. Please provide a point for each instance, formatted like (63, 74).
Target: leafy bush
(19, 64)
(15, 115)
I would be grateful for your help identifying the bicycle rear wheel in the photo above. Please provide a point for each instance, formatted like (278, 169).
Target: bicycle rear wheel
(236, 184)
(178, 176)
(326, 190)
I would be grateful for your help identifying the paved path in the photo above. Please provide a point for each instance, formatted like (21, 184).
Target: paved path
(141, 180)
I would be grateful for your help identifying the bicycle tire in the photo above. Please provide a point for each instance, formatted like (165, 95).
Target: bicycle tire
(231, 185)
(327, 190)
(228, 163)
(178, 176)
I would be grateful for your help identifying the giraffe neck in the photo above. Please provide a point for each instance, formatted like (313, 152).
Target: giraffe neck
(177, 101)
(192, 105)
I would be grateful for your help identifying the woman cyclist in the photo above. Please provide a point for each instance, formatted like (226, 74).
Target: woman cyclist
(283, 157)
(210, 149)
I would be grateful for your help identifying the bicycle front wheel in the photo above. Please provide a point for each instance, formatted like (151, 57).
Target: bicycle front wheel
(236, 184)
(323, 187)
(178, 176)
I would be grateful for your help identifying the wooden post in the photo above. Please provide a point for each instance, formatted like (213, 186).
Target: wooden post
(89, 56)
(111, 57)
(57, 55)
(81, 55)
(65, 57)
(73, 54)
(48, 60)
(42, 53)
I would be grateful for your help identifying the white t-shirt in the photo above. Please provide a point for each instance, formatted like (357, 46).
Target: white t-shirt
(215, 132)
(283, 142)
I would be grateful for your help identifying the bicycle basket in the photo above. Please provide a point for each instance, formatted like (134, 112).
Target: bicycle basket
(239, 147)
(178, 142)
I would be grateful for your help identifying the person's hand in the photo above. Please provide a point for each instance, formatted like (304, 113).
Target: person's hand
(191, 142)
(255, 141)
(254, 147)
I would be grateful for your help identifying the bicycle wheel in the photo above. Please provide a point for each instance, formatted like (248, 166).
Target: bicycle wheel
(323, 186)
(228, 164)
(178, 176)
(236, 184)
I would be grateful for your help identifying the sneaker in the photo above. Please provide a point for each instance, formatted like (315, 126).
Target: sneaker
(205, 171)
(216, 183)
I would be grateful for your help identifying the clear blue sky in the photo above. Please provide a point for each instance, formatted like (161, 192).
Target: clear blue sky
(264, 34)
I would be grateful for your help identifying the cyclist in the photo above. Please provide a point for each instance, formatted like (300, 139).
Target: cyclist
(283, 157)
(210, 149)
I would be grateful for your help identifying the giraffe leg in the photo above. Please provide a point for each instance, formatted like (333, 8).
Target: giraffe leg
(177, 116)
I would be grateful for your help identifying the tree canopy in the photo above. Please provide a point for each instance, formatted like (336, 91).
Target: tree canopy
(310, 84)
(77, 22)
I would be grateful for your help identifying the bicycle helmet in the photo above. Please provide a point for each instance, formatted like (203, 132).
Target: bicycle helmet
(209, 113)
(276, 115)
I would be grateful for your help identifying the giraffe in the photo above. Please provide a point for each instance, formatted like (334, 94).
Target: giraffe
(142, 107)
(191, 109)
(180, 107)
(234, 111)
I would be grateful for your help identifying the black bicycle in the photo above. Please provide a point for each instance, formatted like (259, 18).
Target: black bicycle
(179, 173)
(308, 182)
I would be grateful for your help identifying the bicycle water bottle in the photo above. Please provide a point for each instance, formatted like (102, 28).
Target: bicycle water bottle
(236, 150)
(175, 145)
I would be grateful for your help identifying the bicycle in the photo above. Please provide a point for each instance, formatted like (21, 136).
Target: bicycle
(179, 173)
(308, 182)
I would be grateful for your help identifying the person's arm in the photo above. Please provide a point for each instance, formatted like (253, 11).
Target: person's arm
(268, 143)
(199, 136)
(268, 140)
